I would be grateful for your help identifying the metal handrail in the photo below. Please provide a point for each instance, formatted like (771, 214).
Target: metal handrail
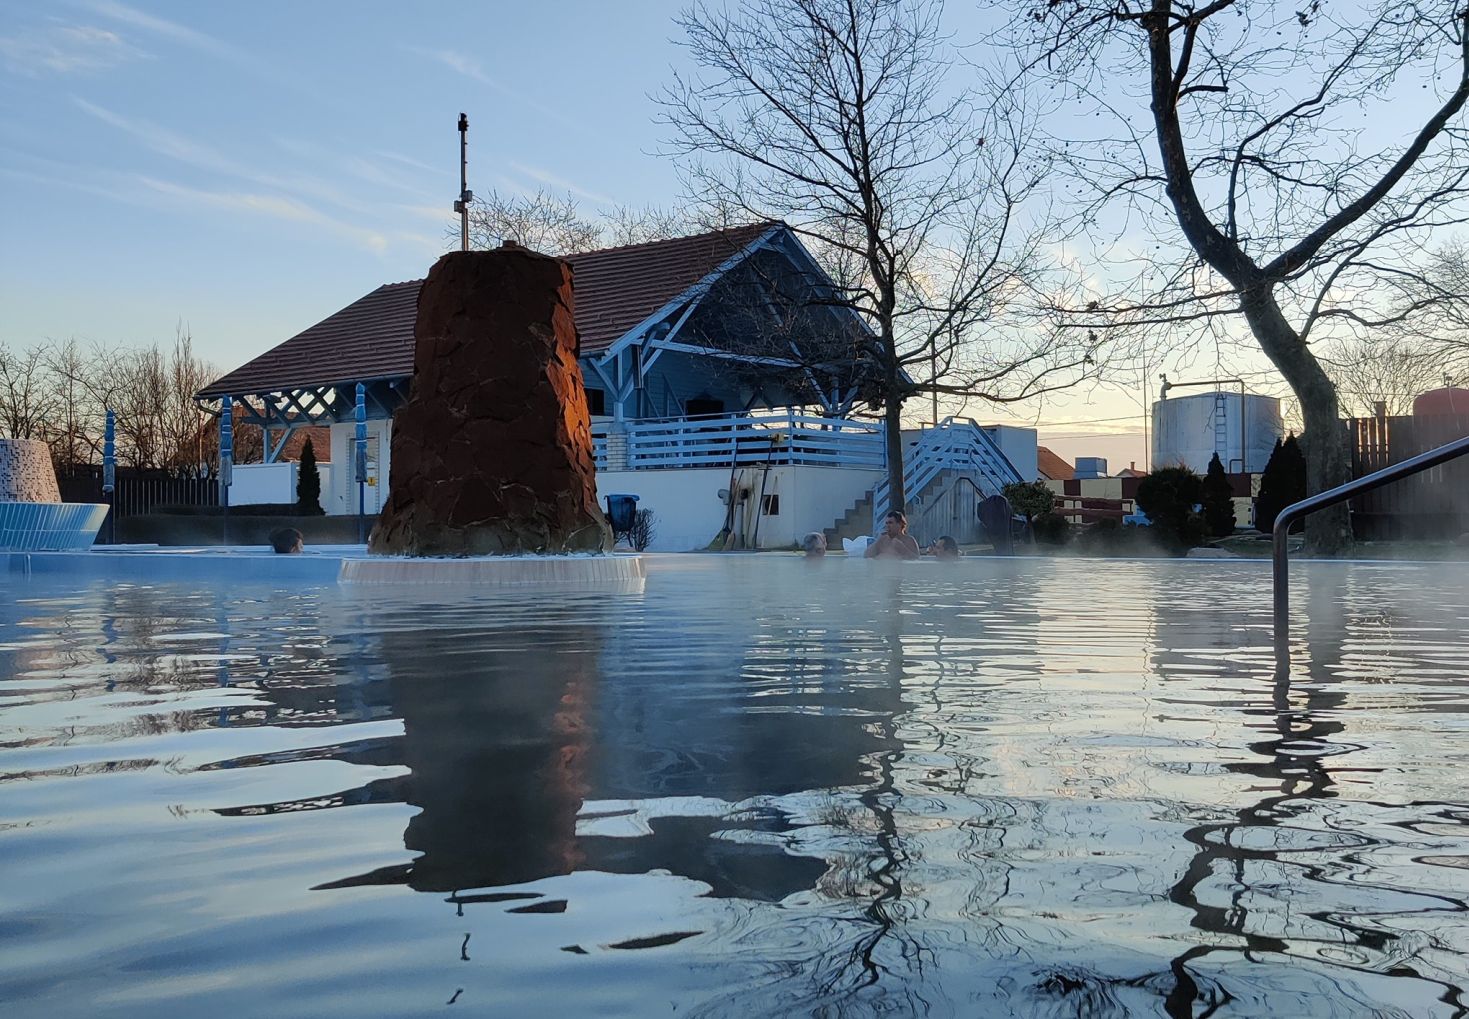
(1296, 510)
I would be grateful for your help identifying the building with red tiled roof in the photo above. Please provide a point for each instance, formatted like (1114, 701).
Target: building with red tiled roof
(1052, 467)
(726, 321)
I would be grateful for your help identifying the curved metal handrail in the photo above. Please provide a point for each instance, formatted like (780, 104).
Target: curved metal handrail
(1296, 510)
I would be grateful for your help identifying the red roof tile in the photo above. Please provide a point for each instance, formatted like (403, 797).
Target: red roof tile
(372, 338)
(1052, 467)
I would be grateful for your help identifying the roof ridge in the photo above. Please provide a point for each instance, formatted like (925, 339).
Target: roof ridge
(764, 224)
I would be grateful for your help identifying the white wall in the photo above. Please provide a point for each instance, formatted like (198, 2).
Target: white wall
(257, 483)
(689, 512)
(1019, 446)
(339, 487)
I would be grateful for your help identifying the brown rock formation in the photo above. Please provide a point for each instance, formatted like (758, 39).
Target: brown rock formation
(493, 451)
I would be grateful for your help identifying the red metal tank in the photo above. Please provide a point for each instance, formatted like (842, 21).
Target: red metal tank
(1436, 402)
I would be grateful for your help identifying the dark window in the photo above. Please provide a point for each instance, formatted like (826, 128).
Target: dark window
(596, 402)
(771, 506)
(703, 405)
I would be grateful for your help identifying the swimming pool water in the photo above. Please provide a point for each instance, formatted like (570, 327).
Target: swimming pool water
(758, 786)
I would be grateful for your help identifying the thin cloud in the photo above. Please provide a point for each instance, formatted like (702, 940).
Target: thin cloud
(200, 41)
(407, 161)
(271, 206)
(163, 141)
(66, 49)
(470, 68)
(379, 172)
(162, 26)
(175, 146)
(560, 183)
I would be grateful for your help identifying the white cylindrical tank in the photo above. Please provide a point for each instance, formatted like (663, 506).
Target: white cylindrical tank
(1189, 430)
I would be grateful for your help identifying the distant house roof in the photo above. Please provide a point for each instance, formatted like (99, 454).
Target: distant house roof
(1052, 467)
(372, 338)
(321, 444)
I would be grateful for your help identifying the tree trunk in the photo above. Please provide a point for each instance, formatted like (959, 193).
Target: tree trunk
(893, 436)
(1328, 461)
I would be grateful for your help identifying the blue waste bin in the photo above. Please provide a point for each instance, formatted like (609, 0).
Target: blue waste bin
(621, 511)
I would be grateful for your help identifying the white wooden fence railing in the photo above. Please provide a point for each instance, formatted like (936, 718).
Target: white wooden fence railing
(726, 440)
(955, 444)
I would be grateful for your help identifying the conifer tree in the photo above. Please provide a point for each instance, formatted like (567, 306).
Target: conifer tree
(1283, 482)
(308, 481)
(1218, 500)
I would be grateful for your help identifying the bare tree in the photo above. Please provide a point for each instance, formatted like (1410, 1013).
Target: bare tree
(628, 225)
(1382, 368)
(27, 403)
(78, 422)
(838, 117)
(1273, 149)
(555, 224)
(542, 222)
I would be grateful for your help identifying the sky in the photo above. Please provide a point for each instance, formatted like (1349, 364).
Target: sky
(245, 170)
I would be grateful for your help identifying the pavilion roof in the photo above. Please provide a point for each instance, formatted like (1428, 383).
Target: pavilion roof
(372, 338)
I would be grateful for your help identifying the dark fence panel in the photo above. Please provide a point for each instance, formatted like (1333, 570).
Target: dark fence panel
(1433, 504)
(138, 492)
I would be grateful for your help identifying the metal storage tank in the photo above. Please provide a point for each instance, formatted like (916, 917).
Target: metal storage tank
(1090, 467)
(1445, 401)
(1189, 430)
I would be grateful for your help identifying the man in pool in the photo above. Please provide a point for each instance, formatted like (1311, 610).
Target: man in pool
(945, 548)
(814, 545)
(287, 540)
(894, 542)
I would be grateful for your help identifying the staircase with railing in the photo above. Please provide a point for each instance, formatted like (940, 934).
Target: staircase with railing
(958, 445)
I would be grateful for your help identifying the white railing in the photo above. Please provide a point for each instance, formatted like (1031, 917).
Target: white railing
(955, 444)
(773, 437)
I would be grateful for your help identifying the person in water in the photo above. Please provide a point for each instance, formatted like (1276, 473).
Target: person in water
(814, 545)
(287, 540)
(894, 542)
(945, 548)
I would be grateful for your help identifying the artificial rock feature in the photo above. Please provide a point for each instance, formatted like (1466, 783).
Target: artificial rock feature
(26, 473)
(492, 453)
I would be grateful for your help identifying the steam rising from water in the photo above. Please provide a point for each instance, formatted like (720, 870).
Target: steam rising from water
(1055, 788)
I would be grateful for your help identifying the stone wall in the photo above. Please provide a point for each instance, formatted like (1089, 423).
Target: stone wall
(26, 474)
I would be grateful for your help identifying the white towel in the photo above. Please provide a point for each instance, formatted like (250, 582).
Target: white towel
(856, 546)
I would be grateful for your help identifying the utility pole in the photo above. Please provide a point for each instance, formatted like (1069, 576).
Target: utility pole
(466, 196)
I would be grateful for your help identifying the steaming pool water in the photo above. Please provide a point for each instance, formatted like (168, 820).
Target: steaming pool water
(757, 786)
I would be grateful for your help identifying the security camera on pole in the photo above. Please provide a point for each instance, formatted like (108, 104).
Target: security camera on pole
(466, 196)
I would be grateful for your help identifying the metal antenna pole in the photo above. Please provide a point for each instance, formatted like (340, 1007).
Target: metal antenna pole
(465, 195)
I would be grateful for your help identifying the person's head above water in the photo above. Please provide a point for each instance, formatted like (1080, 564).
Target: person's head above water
(287, 540)
(814, 544)
(945, 547)
(894, 524)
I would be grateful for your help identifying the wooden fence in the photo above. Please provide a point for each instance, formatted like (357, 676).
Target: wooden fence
(1433, 504)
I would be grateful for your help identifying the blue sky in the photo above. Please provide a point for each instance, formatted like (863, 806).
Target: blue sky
(248, 169)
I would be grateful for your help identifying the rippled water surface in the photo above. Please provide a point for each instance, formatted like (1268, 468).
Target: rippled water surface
(757, 786)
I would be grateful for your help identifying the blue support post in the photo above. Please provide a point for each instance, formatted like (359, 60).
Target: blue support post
(360, 459)
(109, 474)
(226, 460)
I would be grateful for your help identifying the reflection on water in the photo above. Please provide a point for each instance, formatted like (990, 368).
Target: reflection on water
(760, 786)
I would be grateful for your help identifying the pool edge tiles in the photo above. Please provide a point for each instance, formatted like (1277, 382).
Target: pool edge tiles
(164, 565)
(497, 571)
(346, 566)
